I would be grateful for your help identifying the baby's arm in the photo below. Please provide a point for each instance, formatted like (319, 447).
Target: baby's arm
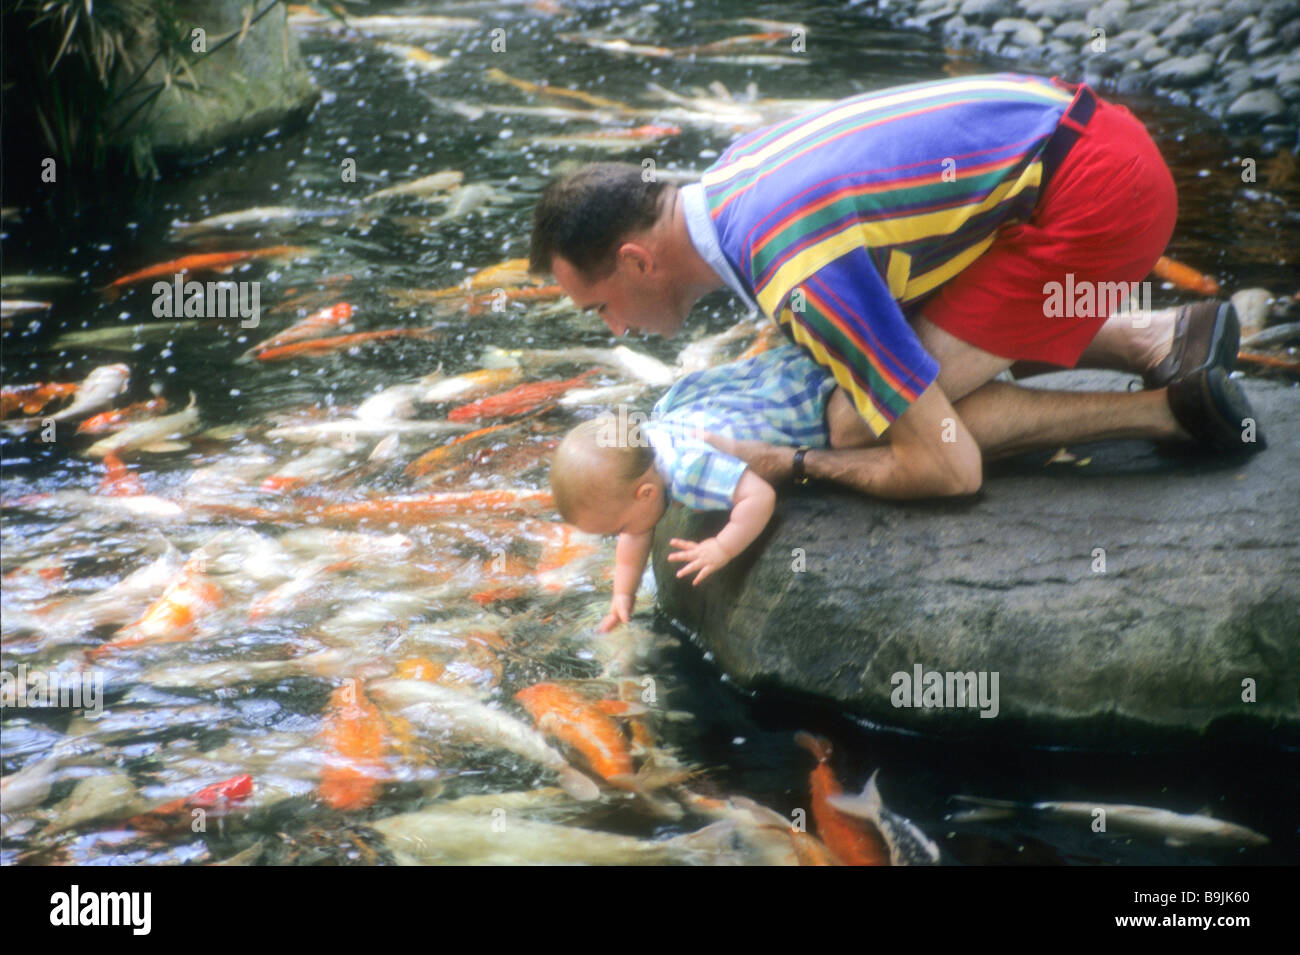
(630, 555)
(752, 509)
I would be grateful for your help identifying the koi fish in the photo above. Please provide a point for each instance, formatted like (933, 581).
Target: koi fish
(326, 346)
(113, 420)
(852, 842)
(155, 435)
(415, 56)
(313, 298)
(313, 326)
(476, 305)
(1175, 828)
(357, 736)
(100, 387)
(179, 813)
(172, 617)
(11, 307)
(499, 76)
(437, 837)
(470, 385)
(443, 181)
(259, 215)
(583, 725)
(437, 457)
(619, 46)
(118, 479)
(730, 43)
(1270, 362)
(204, 262)
(1184, 276)
(617, 140)
(33, 399)
(417, 510)
(908, 845)
(517, 400)
(465, 719)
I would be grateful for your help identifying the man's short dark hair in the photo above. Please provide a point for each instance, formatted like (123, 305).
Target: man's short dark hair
(585, 216)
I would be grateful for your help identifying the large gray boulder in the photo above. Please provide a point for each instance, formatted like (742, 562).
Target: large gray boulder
(1199, 591)
(246, 87)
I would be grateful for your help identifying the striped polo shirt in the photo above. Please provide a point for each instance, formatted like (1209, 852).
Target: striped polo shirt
(836, 221)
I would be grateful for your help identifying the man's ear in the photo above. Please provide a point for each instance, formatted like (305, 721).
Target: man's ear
(637, 255)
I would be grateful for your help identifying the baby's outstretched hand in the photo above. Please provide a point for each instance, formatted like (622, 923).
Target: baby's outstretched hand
(620, 611)
(706, 557)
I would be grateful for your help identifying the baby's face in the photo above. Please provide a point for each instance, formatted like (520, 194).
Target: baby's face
(634, 512)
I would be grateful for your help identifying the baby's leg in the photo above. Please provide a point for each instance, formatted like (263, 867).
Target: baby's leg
(846, 426)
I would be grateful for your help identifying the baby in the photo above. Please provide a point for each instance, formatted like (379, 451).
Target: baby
(612, 475)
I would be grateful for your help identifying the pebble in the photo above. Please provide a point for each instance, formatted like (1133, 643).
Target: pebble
(1252, 305)
(1257, 104)
(1072, 30)
(1184, 70)
(987, 10)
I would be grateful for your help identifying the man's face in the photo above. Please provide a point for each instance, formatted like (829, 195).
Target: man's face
(637, 296)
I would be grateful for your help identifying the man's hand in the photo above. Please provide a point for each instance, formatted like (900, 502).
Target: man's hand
(706, 557)
(620, 610)
(772, 462)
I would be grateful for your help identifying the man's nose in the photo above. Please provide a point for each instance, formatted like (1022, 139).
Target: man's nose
(615, 326)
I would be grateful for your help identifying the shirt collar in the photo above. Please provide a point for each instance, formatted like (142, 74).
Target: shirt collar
(699, 224)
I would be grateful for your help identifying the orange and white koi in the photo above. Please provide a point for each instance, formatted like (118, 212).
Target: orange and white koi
(172, 617)
(119, 480)
(313, 326)
(853, 842)
(415, 510)
(471, 385)
(113, 420)
(517, 400)
(1184, 276)
(326, 346)
(582, 724)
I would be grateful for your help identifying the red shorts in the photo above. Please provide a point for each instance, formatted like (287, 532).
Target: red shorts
(1106, 215)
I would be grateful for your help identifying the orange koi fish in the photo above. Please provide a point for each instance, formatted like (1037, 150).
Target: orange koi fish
(582, 724)
(414, 510)
(204, 262)
(172, 617)
(120, 480)
(312, 298)
(853, 841)
(439, 456)
(357, 735)
(179, 813)
(476, 305)
(517, 400)
(113, 420)
(33, 399)
(1272, 362)
(313, 326)
(325, 346)
(1184, 277)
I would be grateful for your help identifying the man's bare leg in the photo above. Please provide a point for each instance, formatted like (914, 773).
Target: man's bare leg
(1008, 419)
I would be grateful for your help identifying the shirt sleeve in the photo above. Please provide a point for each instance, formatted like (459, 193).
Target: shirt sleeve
(705, 479)
(844, 316)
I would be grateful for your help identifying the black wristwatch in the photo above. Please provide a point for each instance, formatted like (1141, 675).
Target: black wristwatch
(800, 477)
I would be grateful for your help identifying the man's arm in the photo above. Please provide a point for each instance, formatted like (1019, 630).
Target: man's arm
(630, 555)
(754, 502)
(930, 454)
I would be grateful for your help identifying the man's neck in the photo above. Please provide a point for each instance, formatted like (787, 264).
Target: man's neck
(696, 274)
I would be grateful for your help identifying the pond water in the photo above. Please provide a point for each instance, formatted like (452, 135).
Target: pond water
(496, 600)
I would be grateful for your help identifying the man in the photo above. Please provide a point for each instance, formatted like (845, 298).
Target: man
(908, 239)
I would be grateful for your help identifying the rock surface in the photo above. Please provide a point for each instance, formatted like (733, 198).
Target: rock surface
(246, 87)
(1200, 591)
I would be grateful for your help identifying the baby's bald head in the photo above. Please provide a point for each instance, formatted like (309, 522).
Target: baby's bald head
(597, 467)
